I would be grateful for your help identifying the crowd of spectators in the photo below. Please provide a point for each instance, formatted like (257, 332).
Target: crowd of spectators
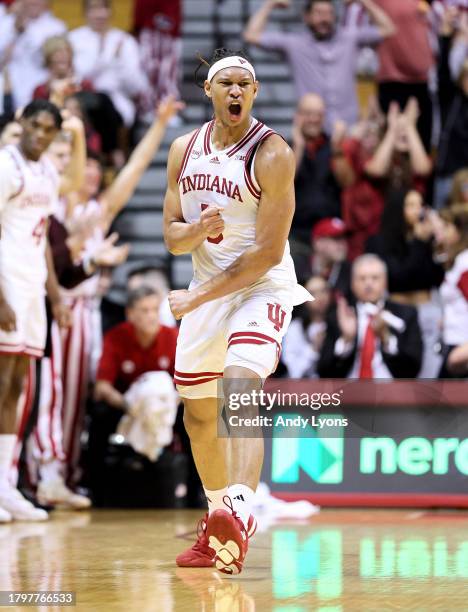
(381, 203)
(379, 236)
(104, 75)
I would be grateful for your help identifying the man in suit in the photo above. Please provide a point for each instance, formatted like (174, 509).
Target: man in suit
(373, 338)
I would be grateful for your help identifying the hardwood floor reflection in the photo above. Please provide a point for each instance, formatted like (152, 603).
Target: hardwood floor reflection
(339, 560)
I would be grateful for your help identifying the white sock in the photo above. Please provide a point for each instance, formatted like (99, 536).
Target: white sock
(241, 496)
(7, 450)
(51, 470)
(215, 499)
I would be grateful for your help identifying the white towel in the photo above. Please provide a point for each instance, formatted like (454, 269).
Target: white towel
(147, 427)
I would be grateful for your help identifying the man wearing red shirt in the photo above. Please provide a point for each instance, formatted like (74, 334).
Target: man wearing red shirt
(139, 345)
(134, 347)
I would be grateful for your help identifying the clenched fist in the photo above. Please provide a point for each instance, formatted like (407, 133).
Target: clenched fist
(181, 303)
(211, 221)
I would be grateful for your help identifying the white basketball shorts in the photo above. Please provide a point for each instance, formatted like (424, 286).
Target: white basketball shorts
(243, 329)
(29, 338)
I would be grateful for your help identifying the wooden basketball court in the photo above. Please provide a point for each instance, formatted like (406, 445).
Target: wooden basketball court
(338, 561)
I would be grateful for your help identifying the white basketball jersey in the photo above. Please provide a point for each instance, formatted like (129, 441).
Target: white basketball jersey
(226, 179)
(28, 195)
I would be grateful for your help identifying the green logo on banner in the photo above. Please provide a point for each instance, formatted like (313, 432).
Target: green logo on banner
(319, 455)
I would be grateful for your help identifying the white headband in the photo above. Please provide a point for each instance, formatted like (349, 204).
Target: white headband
(231, 62)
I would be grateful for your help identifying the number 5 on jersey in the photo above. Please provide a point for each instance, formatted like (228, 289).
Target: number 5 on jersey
(39, 231)
(218, 239)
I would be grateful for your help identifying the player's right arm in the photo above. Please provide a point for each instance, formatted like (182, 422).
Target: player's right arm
(182, 237)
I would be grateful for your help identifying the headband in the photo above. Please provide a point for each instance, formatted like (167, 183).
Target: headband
(231, 62)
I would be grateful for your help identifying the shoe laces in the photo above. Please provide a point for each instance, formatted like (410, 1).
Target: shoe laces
(228, 503)
(202, 543)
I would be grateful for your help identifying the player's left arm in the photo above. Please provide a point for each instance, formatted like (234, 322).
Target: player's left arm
(61, 312)
(274, 169)
(73, 176)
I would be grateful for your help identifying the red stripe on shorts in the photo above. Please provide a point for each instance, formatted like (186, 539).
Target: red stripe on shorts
(196, 374)
(251, 334)
(190, 383)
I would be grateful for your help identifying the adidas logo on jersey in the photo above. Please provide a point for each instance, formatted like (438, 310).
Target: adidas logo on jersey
(252, 324)
(240, 157)
(239, 497)
(214, 160)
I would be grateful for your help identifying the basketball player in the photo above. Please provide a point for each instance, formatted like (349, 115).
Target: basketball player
(29, 187)
(45, 444)
(230, 203)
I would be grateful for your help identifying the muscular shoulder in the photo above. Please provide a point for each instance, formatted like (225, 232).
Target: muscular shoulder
(275, 163)
(177, 151)
(180, 144)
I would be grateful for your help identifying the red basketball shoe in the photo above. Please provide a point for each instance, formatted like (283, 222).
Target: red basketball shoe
(201, 554)
(228, 537)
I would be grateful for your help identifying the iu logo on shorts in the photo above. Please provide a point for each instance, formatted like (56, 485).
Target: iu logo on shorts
(276, 315)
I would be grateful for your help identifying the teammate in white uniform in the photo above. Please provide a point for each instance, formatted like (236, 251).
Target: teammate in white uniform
(230, 203)
(29, 186)
(67, 388)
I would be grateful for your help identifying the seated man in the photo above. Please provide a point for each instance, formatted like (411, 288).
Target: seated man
(139, 345)
(375, 338)
(132, 348)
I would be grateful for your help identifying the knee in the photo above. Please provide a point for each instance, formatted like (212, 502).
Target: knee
(199, 430)
(243, 396)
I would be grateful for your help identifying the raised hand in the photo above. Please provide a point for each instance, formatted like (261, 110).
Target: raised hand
(347, 320)
(108, 255)
(71, 123)
(339, 134)
(411, 111)
(168, 108)
(393, 115)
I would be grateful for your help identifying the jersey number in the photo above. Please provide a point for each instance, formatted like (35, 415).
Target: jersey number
(39, 231)
(218, 239)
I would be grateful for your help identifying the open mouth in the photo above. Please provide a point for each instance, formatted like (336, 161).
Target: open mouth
(235, 109)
